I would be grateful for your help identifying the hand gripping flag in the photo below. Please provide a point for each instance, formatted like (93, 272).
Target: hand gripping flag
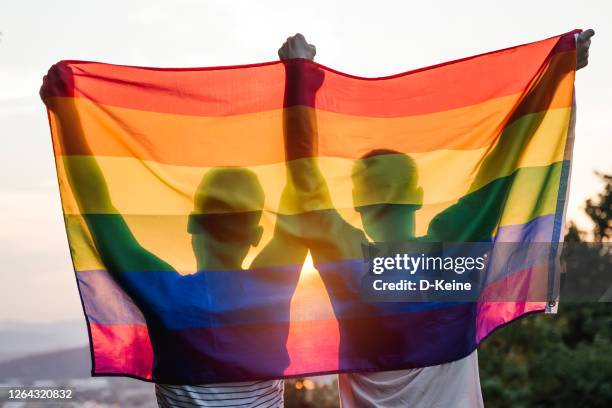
(193, 197)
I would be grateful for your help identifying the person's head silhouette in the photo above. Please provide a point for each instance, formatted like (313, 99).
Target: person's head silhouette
(386, 194)
(225, 221)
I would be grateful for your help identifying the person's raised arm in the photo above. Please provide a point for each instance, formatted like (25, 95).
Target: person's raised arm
(306, 209)
(118, 248)
(303, 79)
(286, 246)
(583, 43)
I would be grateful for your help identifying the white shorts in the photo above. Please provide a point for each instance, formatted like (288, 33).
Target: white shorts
(455, 384)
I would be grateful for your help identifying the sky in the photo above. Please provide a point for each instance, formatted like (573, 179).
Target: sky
(365, 38)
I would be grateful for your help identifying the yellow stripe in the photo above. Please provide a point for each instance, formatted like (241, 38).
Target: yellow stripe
(533, 194)
(145, 187)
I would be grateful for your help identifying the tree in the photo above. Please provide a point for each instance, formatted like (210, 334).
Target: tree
(600, 211)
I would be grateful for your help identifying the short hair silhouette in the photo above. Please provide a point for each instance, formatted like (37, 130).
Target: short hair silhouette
(228, 204)
(385, 176)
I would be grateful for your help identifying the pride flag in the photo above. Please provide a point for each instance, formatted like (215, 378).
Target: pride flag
(216, 216)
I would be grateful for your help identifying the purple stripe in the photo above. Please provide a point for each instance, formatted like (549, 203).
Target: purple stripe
(105, 302)
(537, 230)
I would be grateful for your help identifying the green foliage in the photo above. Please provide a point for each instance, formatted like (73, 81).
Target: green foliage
(562, 360)
(600, 211)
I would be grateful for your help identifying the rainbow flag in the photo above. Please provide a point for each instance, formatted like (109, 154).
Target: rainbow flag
(217, 216)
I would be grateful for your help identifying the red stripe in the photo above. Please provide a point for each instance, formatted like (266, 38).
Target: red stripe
(525, 287)
(254, 88)
(122, 348)
(303, 344)
(491, 315)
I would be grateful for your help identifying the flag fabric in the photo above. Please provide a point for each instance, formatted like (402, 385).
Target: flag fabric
(195, 200)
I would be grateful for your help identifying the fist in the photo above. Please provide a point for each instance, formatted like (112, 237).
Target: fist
(582, 48)
(297, 47)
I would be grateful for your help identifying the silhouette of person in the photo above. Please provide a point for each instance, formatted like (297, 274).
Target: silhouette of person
(384, 334)
(203, 325)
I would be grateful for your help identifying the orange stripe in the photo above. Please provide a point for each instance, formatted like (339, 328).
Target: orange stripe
(256, 139)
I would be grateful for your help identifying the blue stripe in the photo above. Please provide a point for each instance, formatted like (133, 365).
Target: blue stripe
(213, 298)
